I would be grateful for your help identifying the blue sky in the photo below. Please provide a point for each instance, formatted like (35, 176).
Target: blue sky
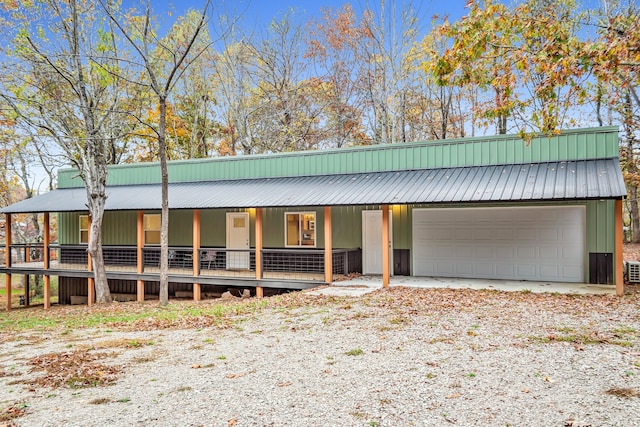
(258, 13)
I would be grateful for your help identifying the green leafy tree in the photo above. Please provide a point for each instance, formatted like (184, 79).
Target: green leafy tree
(61, 85)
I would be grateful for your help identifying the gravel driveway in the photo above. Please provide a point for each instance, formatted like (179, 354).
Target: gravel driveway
(398, 357)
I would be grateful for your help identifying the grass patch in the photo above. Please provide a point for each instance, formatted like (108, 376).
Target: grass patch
(148, 315)
(144, 359)
(579, 339)
(355, 352)
(399, 320)
(626, 392)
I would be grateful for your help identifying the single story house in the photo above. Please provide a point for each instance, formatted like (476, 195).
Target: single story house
(485, 207)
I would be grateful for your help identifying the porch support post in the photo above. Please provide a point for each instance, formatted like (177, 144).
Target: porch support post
(618, 258)
(25, 280)
(196, 254)
(259, 289)
(45, 259)
(91, 290)
(328, 246)
(385, 246)
(27, 258)
(7, 257)
(140, 255)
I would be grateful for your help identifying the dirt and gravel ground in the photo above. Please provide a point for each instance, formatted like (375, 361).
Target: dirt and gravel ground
(632, 251)
(397, 357)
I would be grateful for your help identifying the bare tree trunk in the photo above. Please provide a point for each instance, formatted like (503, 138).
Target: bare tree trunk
(164, 218)
(94, 248)
(635, 214)
(96, 183)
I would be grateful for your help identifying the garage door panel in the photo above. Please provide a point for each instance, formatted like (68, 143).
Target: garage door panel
(569, 255)
(549, 271)
(464, 269)
(526, 234)
(549, 234)
(444, 268)
(505, 270)
(483, 270)
(505, 253)
(529, 243)
(482, 253)
(483, 234)
(462, 233)
(464, 252)
(526, 270)
(548, 253)
(503, 234)
(569, 271)
(443, 233)
(526, 253)
(444, 252)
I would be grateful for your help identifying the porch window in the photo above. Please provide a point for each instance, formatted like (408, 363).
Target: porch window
(300, 229)
(84, 229)
(152, 229)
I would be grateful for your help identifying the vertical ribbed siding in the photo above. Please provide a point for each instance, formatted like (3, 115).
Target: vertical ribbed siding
(346, 223)
(119, 228)
(574, 145)
(68, 228)
(401, 227)
(213, 228)
(180, 228)
(600, 223)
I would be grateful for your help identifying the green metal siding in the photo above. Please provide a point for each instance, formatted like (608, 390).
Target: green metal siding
(402, 237)
(346, 223)
(120, 228)
(600, 226)
(180, 228)
(570, 145)
(213, 228)
(68, 228)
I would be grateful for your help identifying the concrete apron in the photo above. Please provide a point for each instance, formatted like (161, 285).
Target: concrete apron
(365, 284)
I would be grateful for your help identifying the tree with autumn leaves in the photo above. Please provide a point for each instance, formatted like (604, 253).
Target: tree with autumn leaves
(543, 63)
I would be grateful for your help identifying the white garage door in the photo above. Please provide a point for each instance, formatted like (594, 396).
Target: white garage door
(518, 243)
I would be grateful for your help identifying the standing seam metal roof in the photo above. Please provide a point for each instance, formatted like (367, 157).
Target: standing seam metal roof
(550, 181)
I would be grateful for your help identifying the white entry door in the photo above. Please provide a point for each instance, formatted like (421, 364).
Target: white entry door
(237, 238)
(372, 242)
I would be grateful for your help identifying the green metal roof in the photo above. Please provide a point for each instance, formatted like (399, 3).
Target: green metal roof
(579, 144)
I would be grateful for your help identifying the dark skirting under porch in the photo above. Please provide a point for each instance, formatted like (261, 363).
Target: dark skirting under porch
(125, 290)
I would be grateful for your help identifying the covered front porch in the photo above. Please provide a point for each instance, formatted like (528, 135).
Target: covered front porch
(193, 267)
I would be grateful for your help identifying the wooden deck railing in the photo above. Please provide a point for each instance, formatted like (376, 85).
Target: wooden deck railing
(292, 263)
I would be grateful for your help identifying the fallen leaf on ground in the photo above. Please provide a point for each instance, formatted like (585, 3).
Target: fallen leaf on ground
(241, 374)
